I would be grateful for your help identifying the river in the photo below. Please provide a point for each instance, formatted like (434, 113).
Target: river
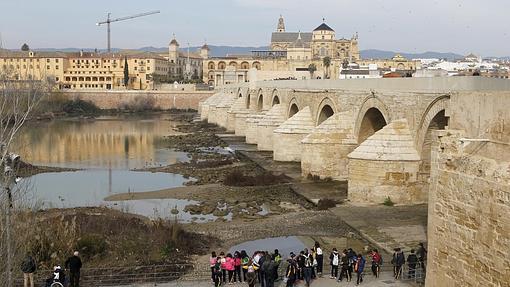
(105, 150)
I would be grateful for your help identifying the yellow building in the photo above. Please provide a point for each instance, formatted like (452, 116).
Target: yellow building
(86, 70)
(29, 65)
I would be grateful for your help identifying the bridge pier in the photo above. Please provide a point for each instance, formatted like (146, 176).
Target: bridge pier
(252, 127)
(288, 136)
(267, 124)
(222, 109)
(237, 108)
(386, 165)
(325, 149)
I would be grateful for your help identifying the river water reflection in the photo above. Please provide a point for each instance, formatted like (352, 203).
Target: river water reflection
(105, 149)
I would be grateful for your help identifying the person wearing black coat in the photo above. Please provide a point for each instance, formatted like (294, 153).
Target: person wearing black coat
(28, 267)
(412, 259)
(74, 265)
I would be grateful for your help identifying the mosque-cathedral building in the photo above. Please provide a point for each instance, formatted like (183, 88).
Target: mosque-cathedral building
(291, 55)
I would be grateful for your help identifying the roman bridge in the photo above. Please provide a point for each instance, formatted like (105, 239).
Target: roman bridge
(375, 133)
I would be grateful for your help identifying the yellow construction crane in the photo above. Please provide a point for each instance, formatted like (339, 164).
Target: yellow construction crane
(108, 21)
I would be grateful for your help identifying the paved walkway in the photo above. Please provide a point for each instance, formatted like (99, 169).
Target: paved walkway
(385, 279)
(387, 226)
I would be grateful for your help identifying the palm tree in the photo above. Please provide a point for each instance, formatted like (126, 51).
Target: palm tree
(312, 68)
(326, 61)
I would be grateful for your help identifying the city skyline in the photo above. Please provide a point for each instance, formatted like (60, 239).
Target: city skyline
(444, 26)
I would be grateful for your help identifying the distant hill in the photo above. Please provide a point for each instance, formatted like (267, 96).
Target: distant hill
(381, 54)
(222, 51)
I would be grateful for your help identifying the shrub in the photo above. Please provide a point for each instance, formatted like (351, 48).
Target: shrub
(80, 107)
(326, 203)
(388, 201)
(237, 178)
(140, 104)
(91, 245)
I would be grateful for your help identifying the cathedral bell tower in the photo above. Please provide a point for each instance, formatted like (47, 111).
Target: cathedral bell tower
(281, 25)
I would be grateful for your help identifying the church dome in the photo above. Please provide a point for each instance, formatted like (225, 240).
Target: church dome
(174, 42)
(324, 27)
(205, 47)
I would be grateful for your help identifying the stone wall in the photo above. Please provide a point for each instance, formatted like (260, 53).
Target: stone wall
(374, 181)
(469, 213)
(163, 99)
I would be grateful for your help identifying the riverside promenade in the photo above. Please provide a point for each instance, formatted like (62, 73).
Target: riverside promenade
(386, 279)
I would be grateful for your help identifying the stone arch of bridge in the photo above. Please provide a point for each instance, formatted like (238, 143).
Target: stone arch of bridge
(260, 100)
(434, 118)
(293, 108)
(325, 110)
(372, 116)
(276, 98)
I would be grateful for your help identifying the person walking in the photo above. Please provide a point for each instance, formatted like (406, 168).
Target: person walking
(262, 274)
(301, 265)
(28, 267)
(422, 257)
(412, 260)
(344, 263)
(244, 263)
(358, 268)
(269, 266)
(334, 260)
(212, 263)
(319, 257)
(217, 274)
(74, 265)
(376, 262)
(223, 268)
(352, 256)
(230, 267)
(237, 266)
(291, 272)
(307, 272)
(277, 261)
(251, 277)
(398, 261)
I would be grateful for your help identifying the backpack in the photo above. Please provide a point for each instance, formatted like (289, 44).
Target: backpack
(334, 261)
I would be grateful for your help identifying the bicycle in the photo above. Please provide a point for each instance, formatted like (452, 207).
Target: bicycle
(56, 284)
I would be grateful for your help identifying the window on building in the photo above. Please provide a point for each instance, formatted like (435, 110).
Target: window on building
(47, 60)
(47, 67)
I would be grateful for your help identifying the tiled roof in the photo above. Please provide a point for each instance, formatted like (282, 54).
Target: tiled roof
(289, 37)
(324, 27)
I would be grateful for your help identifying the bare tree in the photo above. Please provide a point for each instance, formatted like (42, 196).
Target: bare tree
(19, 95)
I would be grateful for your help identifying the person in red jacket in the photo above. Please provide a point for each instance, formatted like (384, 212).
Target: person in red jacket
(376, 262)
(230, 267)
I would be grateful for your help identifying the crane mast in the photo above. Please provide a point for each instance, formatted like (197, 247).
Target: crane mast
(108, 21)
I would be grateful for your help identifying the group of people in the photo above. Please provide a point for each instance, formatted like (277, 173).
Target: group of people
(263, 267)
(73, 264)
(414, 261)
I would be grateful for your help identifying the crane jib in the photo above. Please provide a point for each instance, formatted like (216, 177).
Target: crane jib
(108, 21)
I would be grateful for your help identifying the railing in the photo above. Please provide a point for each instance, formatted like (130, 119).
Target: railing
(116, 276)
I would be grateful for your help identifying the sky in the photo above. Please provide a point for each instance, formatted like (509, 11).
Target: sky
(460, 26)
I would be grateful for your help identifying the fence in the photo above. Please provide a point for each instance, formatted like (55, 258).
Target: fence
(117, 276)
